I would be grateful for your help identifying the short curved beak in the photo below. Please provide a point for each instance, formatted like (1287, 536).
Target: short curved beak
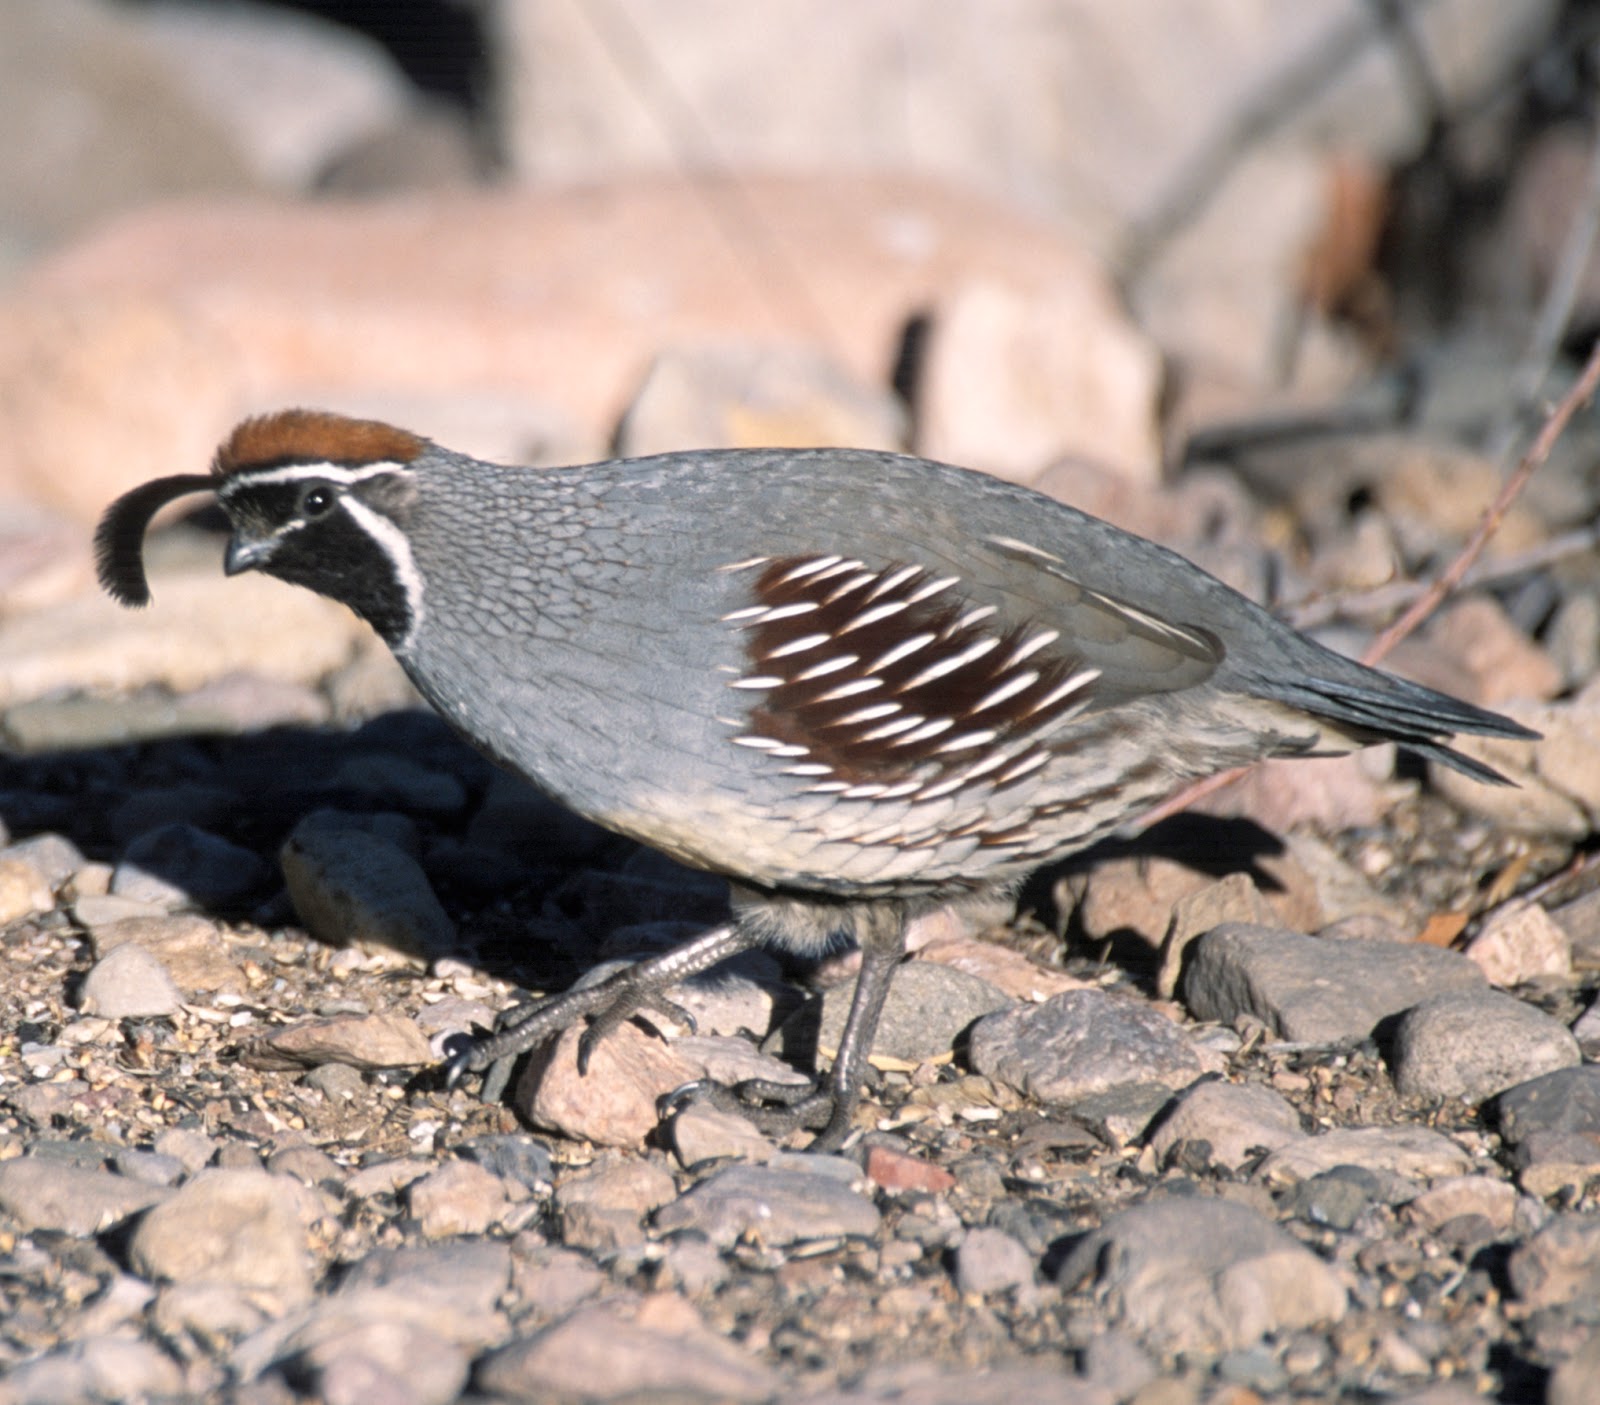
(245, 554)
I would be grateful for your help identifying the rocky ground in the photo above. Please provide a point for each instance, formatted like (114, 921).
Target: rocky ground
(1223, 1115)
(1295, 1096)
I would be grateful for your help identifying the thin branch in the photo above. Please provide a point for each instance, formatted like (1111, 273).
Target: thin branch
(1555, 425)
(1396, 595)
(1581, 392)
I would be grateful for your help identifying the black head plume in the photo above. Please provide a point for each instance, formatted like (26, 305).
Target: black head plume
(119, 539)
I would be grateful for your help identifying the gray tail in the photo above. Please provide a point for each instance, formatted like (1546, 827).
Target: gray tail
(1392, 709)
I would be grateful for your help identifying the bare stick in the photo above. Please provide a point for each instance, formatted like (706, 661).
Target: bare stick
(1555, 425)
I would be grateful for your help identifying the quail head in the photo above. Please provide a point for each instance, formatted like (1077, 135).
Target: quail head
(860, 685)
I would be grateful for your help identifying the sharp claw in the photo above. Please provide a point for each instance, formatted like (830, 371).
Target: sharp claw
(458, 1049)
(674, 1102)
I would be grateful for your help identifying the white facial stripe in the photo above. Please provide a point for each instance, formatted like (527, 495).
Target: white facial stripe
(342, 474)
(394, 542)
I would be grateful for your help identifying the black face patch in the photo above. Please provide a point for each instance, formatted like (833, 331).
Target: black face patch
(316, 540)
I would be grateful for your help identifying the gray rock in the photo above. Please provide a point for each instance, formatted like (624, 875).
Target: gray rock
(45, 1193)
(605, 1208)
(459, 1284)
(99, 1368)
(345, 1356)
(1567, 1100)
(1560, 1264)
(190, 948)
(149, 1167)
(1203, 1275)
(717, 396)
(550, 1281)
(1236, 1120)
(515, 1158)
(358, 1041)
(459, 1198)
(1307, 989)
(129, 982)
(1123, 1113)
(928, 1008)
(991, 1261)
(179, 864)
(1418, 1153)
(780, 1205)
(615, 1350)
(159, 806)
(194, 1149)
(701, 1132)
(1083, 1042)
(54, 857)
(396, 783)
(1336, 1198)
(237, 1227)
(1473, 1044)
(351, 888)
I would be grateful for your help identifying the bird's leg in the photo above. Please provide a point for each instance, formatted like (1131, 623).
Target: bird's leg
(830, 1107)
(612, 1002)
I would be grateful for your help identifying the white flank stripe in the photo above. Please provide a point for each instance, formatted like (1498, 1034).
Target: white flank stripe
(854, 583)
(1029, 647)
(900, 651)
(893, 729)
(757, 743)
(923, 592)
(876, 613)
(867, 714)
(799, 646)
(849, 690)
(939, 724)
(791, 749)
(1009, 689)
(1078, 680)
(748, 613)
(827, 666)
(807, 768)
(809, 568)
(951, 664)
(783, 612)
(763, 681)
(967, 740)
(973, 617)
(1022, 768)
(746, 564)
(864, 792)
(893, 580)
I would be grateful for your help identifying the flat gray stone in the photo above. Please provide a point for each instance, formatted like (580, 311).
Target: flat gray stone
(776, 1205)
(1475, 1043)
(1236, 1120)
(1567, 1100)
(129, 982)
(655, 1349)
(352, 888)
(1083, 1042)
(928, 1008)
(238, 1227)
(1193, 1274)
(1418, 1153)
(1306, 989)
(181, 864)
(46, 1193)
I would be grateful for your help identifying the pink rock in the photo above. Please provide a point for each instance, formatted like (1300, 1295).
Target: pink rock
(530, 315)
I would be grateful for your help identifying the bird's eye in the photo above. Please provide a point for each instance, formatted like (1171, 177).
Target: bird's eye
(315, 502)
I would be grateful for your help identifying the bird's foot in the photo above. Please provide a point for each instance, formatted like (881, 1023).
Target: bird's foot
(777, 1109)
(635, 990)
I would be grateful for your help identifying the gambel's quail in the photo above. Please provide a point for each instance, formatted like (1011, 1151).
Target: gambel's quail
(861, 686)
